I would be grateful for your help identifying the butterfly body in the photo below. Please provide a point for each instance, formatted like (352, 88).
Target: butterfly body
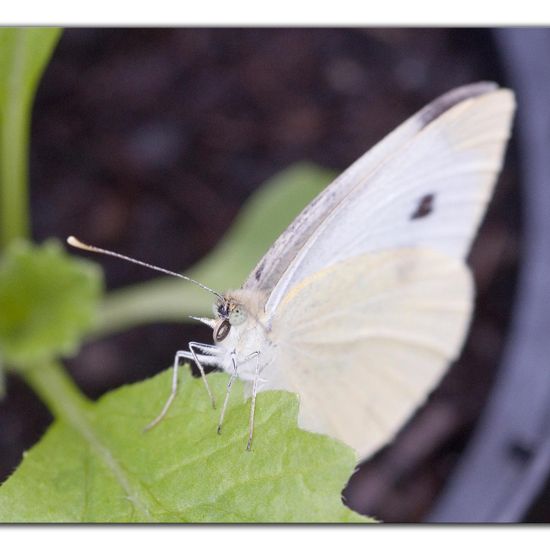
(366, 297)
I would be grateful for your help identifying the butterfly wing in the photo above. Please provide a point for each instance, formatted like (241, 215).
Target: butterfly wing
(368, 295)
(365, 340)
(430, 190)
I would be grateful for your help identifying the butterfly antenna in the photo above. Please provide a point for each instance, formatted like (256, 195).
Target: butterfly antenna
(73, 241)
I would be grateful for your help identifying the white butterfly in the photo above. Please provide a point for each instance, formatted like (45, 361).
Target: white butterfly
(362, 303)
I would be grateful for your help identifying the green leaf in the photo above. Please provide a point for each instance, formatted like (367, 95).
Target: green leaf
(262, 219)
(24, 53)
(48, 300)
(97, 464)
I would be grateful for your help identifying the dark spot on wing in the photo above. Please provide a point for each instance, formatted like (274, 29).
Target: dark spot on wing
(424, 208)
(436, 108)
(520, 451)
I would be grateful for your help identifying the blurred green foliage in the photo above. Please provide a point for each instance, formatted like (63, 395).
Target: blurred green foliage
(48, 302)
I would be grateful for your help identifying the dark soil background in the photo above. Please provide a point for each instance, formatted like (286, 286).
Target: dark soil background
(147, 141)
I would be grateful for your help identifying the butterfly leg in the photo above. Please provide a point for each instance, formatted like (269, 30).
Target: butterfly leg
(229, 384)
(253, 403)
(152, 424)
(207, 348)
(205, 359)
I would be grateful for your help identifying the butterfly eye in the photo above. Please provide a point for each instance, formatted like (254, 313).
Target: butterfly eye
(222, 330)
(237, 316)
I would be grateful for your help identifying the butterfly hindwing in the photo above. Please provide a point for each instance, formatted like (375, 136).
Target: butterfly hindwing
(364, 341)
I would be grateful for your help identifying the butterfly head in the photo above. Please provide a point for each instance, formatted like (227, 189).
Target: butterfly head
(229, 313)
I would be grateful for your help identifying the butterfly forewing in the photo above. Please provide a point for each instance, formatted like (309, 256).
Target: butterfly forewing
(273, 265)
(431, 193)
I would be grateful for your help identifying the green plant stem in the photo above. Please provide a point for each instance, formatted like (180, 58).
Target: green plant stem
(58, 392)
(24, 54)
(152, 302)
(14, 137)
